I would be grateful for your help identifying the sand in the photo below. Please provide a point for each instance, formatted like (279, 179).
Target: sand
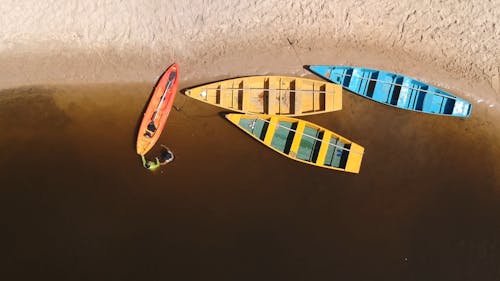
(448, 43)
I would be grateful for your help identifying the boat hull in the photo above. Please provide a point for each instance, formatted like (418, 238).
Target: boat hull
(274, 95)
(302, 141)
(158, 110)
(394, 90)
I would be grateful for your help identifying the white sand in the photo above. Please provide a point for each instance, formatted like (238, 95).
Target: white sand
(453, 44)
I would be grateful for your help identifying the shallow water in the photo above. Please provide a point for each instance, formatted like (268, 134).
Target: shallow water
(79, 205)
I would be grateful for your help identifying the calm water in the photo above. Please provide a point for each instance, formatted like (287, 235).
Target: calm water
(78, 205)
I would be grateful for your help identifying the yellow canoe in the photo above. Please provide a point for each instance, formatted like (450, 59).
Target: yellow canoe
(302, 141)
(273, 95)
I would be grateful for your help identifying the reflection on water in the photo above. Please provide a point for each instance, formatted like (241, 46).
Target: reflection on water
(77, 201)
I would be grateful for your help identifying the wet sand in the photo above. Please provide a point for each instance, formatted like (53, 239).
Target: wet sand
(78, 205)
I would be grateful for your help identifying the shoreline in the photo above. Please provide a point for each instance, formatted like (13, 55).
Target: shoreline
(447, 44)
(92, 66)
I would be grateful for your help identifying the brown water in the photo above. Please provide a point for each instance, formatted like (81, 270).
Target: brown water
(78, 205)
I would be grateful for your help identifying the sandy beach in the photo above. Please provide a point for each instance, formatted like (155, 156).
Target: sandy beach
(59, 41)
(78, 205)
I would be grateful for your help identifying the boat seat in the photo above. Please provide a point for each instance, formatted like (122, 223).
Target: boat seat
(152, 127)
(342, 76)
(297, 107)
(433, 103)
(148, 134)
(271, 102)
(383, 88)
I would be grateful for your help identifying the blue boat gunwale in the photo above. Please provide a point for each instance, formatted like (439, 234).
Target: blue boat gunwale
(436, 91)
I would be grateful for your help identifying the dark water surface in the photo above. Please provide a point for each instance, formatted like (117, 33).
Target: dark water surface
(78, 205)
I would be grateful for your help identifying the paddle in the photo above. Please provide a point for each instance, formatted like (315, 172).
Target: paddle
(169, 84)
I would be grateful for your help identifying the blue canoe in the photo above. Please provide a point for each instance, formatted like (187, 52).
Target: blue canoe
(394, 90)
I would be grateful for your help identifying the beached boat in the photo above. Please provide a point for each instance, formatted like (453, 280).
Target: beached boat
(394, 90)
(273, 95)
(158, 109)
(301, 140)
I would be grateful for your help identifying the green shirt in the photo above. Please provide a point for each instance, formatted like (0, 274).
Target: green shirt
(150, 165)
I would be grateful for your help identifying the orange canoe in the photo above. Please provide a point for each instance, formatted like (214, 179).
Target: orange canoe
(159, 107)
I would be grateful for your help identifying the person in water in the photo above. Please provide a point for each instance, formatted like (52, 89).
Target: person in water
(150, 165)
(166, 157)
